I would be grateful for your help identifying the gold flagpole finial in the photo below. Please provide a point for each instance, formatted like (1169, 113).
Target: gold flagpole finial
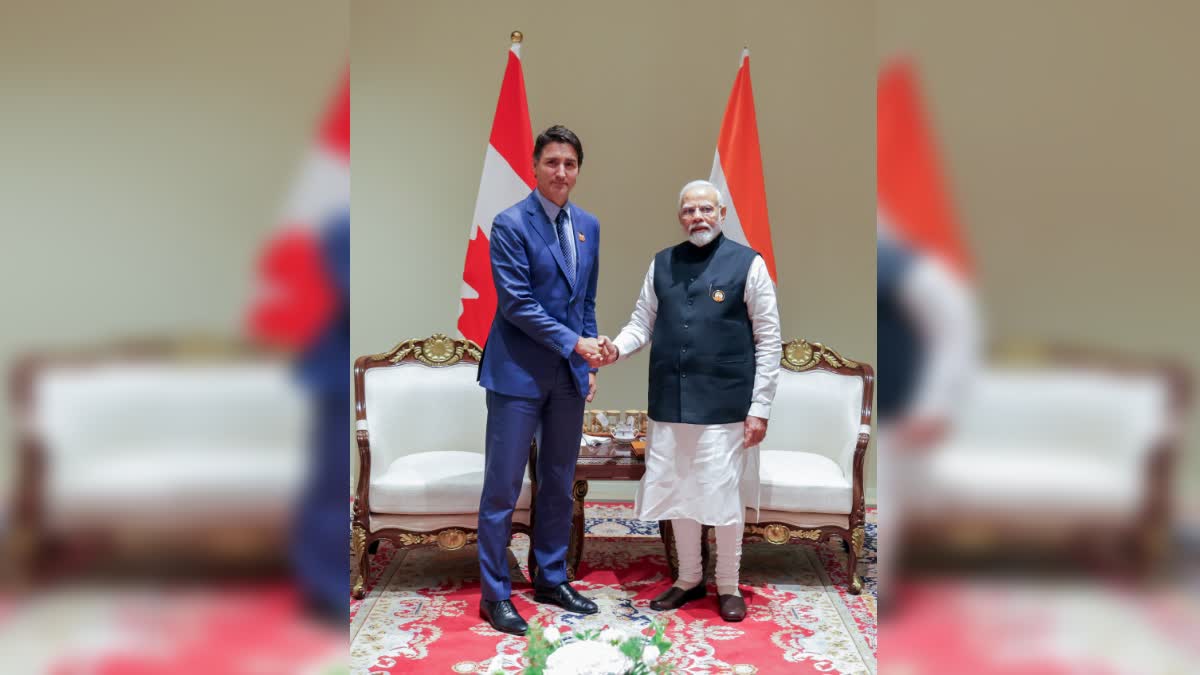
(517, 37)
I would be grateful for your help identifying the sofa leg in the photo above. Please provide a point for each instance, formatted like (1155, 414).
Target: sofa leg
(1151, 548)
(28, 552)
(852, 552)
(358, 562)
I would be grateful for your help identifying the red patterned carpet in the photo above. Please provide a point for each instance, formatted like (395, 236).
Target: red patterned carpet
(251, 628)
(421, 610)
(1022, 626)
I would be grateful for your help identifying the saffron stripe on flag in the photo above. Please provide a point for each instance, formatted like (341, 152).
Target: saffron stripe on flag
(739, 161)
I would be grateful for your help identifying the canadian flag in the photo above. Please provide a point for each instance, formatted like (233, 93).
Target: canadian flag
(296, 296)
(507, 179)
(737, 170)
(914, 201)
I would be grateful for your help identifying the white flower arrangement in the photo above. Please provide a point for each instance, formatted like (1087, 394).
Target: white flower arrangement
(592, 652)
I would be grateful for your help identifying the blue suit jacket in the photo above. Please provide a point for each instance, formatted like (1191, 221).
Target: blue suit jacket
(540, 315)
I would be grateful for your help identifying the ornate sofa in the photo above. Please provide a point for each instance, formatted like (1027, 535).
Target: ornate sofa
(812, 457)
(153, 446)
(420, 423)
(1057, 450)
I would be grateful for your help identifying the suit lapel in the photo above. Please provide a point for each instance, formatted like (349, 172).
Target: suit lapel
(543, 226)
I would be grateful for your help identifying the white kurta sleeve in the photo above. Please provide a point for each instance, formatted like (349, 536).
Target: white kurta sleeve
(640, 328)
(768, 344)
(948, 317)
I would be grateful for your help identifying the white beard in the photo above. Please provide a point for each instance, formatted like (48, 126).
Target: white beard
(703, 238)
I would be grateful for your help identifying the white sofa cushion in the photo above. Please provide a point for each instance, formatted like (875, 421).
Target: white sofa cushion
(416, 408)
(802, 482)
(446, 481)
(162, 442)
(173, 485)
(1117, 416)
(1030, 481)
(816, 412)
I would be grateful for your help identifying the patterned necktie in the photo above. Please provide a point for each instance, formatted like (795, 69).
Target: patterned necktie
(565, 243)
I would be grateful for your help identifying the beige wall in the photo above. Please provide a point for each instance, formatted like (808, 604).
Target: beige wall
(645, 86)
(1069, 135)
(148, 150)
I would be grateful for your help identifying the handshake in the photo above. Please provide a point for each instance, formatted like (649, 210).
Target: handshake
(599, 351)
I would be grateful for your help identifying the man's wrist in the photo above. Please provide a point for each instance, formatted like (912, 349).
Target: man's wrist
(762, 410)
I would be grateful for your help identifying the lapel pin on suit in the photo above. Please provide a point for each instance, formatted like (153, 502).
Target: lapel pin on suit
(581, 237)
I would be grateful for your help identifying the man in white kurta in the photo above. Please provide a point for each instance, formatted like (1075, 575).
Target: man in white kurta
(705, 473)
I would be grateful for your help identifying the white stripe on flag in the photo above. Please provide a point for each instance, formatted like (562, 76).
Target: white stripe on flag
(321, 190)
(499, 188)
(732, 226)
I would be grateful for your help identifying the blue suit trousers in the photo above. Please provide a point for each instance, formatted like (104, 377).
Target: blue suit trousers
(512, 423)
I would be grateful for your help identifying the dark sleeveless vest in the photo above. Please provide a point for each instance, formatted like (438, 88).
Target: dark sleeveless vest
(702, 350)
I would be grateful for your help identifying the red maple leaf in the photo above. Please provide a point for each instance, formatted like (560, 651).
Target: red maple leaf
(295, 300)
(477, 313)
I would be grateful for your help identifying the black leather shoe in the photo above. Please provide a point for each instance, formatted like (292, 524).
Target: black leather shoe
(566, 597)
(676, 597)
(503, 616)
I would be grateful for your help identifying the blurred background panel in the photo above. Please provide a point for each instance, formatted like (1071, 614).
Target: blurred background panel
(150, 151)
(1066, 138)
(1067, 133)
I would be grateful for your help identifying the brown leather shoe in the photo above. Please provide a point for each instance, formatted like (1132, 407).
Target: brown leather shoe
(733, 607)
(675, 597)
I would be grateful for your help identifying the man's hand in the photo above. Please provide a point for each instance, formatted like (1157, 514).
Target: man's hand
(591, 387)
(598, 351)
(756, 430)
(589, 348)
(608, 351)
(917, 435)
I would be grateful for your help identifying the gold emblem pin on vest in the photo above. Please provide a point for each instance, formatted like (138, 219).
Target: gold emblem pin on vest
(719, 295)
(581, 237)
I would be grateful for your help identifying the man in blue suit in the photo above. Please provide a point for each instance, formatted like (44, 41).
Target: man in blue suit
(538, 369)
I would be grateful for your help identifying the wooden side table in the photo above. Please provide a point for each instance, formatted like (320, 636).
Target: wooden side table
(610, 461)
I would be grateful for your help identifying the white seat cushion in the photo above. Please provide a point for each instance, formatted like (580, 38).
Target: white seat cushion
(173, 484)
(802, 481)
(996, 479)
(445, 481)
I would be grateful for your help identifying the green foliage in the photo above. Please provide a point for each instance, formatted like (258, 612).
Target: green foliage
(539, 647)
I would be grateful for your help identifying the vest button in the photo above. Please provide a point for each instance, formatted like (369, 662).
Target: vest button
(684, 349)
(685, 325)
(690, 302)
(683, 374)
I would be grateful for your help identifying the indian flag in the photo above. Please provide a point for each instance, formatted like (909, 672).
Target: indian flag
(737, 170)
